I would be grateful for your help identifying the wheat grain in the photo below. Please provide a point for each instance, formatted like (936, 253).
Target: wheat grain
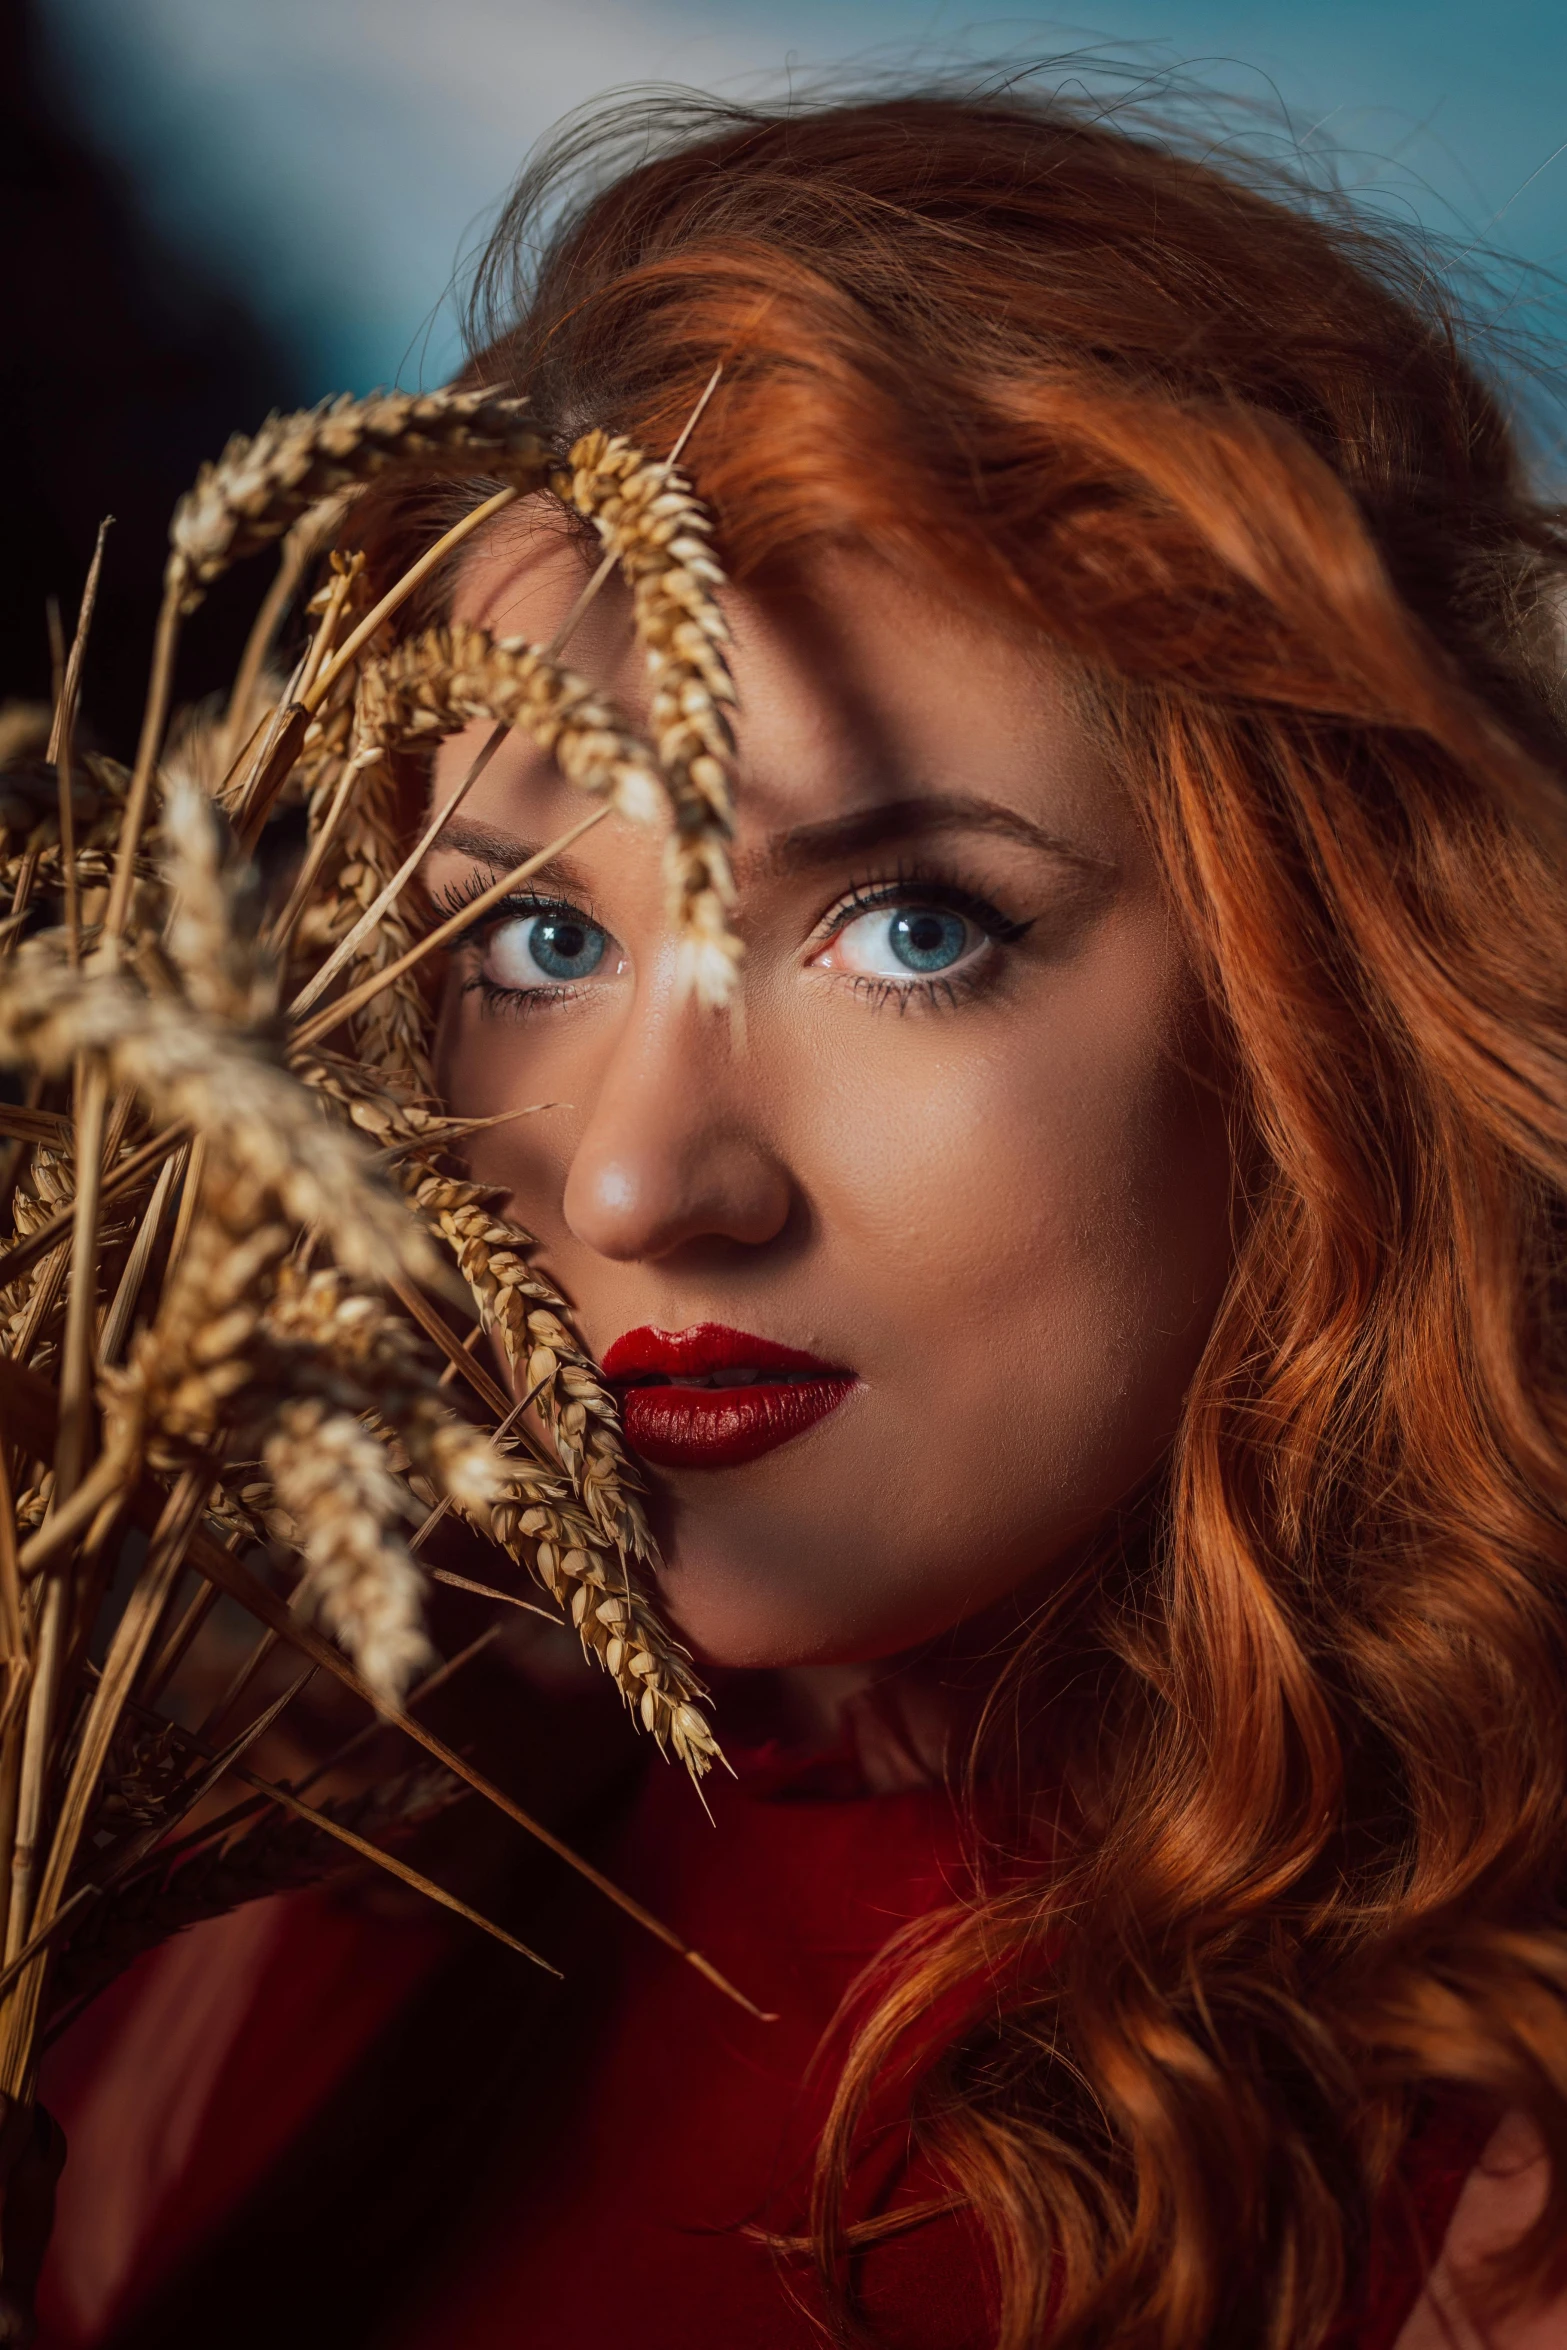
(194, 1071)
(364, 1097)
(31, 1306)
(206, 1874)
(29, 797)
(145, 1770)
(392, 1032)
(332, 1480)
(358, 1353)
(212, 921)
(439, 682)
(287, 1397)
(45, 1186)
(603, 1594)
(530, 1316)
(588, 1536)
(616, 1623)
(646, 513)
(400, 1125)
(335, 1355)
(347, 1343)
(182, 1378)
(239, 1507)
(266, 482)
(246, 1342)
(33, 1502)
(30, 845)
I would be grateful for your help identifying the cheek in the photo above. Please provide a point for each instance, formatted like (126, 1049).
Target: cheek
(1040, 1228)
(1065, 1179)
(493, 1068)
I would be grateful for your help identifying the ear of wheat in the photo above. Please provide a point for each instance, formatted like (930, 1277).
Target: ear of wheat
(235, 1262)
(648, 518)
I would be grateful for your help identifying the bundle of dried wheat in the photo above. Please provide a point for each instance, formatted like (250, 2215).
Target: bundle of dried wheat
(239, 1271)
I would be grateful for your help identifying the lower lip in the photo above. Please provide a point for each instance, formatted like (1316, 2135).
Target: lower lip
(719, 1427)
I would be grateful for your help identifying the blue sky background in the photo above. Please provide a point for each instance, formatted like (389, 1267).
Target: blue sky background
(338, 157)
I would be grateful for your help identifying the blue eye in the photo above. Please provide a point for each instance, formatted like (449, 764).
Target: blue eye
(904, 942)
(550, 949)
(926, 939)
(565, 946)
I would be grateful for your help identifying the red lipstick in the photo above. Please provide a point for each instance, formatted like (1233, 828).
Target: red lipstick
(710, 1397)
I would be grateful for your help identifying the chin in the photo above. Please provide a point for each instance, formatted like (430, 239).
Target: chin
(746, 1616)
(755, 1616)
(733, 1630)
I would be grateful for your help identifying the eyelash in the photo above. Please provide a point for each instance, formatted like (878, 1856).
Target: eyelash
(496, 998)
(865, 896)
(929, 888)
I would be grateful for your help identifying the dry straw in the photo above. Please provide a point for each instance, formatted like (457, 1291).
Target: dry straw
(659, 533)
(440, 682)
(263, 485)
(248, 1288)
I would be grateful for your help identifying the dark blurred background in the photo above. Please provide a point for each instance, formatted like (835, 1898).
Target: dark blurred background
(216, 207)
(124, 362)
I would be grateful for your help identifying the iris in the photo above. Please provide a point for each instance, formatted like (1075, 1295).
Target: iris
(564, 946)
(924, 938)
(550, 948)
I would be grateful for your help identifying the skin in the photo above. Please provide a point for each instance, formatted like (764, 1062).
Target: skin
(1002, 1199)
(1008, 1213)
(1005, 1205)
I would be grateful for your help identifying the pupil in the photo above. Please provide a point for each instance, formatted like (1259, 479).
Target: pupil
(925, 939)
(564, 948)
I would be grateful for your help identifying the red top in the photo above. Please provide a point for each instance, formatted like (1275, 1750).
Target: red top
(692, 2127)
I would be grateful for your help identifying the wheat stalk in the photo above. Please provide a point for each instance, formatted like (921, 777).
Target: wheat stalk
(391, 1034)
(62, 740)
(567, 1548)
(73, 1490)
(437, 683)
(660, 533)
(30, 826)
(332, 1480)
(221, 1236)
(529, 1316)
(217, 1083)
(266, 482)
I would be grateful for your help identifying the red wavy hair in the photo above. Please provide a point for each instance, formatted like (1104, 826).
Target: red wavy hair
(1223, 445)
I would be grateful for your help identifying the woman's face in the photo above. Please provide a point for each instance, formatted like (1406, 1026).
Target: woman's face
(957, 1156)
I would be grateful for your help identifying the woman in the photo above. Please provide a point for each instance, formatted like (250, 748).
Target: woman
(1092, 1321)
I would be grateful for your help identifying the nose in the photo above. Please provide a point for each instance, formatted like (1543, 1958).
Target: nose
(675, 1151)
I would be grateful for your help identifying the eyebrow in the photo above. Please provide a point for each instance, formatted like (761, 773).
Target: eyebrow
(502, 851)
(803, 847)
(808, 847)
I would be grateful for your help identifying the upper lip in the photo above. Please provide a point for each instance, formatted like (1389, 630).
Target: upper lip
(706, 1347)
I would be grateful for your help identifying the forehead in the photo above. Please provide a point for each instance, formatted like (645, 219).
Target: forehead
(856, 684)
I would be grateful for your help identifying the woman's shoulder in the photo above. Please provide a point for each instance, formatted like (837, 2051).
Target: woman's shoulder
(1500, 2197)
(253, 2013)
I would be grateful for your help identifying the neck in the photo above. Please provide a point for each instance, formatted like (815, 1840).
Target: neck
(910, 1719)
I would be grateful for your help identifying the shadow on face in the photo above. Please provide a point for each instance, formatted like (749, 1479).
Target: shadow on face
(904, 1271)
